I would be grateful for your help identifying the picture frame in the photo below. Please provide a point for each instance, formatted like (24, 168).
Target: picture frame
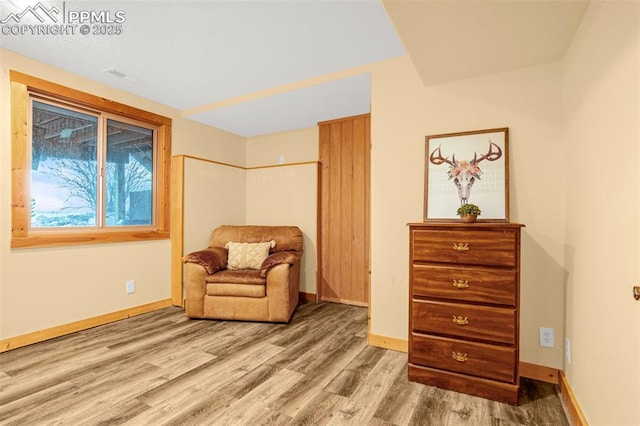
(467, 167)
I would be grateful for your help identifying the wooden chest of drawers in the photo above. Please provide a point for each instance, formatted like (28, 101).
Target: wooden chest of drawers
(464, 307)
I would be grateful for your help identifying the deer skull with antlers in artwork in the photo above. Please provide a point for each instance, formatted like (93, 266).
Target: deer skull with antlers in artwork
(464, 173)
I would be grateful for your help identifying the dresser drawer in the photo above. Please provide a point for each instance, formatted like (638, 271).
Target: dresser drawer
(496, 286)
(463, 320)
(477, 359)
(465, 246)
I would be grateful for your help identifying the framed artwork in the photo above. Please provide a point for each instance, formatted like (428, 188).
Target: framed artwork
(467, 168)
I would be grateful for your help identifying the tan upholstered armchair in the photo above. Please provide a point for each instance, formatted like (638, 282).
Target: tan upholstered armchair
(247, 273)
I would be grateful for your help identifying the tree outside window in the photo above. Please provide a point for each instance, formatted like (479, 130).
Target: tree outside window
(88, 170)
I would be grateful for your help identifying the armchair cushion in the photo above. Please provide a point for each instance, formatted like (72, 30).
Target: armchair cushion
(236, 290)
(247, 255)
(242, 276)
(213, 259)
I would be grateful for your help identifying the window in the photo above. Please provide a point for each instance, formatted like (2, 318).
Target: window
(85, 169)
(73, 185)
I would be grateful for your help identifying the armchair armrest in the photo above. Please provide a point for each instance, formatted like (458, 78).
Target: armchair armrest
(279, 258)
(213, 259)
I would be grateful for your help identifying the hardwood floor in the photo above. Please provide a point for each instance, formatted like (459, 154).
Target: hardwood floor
(163, 369)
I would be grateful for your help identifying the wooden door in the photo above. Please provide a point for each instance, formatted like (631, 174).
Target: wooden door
(345, 148)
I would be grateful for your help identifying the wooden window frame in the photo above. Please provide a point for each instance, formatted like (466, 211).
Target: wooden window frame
(21, 86)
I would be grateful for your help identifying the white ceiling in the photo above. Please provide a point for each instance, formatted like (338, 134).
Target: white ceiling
(256, 67)
(294, 110)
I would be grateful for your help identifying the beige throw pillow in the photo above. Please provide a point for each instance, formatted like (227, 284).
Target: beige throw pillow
(247, 255)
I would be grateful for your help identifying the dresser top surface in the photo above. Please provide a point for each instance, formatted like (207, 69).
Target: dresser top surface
(461, 225)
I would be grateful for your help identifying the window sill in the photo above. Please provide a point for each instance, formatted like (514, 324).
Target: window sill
(80, 238)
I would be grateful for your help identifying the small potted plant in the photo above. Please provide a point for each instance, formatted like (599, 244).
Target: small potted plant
(469, 212)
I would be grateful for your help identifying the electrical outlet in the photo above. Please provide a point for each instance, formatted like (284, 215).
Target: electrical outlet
(546, 337)
(131, 286)
(567, 350)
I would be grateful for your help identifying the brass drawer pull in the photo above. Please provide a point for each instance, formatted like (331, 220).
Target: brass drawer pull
(460, 320)
(460, 284)
(461, 246)
(459, 356)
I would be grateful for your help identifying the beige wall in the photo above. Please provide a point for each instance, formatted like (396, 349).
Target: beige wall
(207, 142)
(286, 195)
(601, 115)
(214, 195)
(528, 101)
(47, 287)
(296, 146)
